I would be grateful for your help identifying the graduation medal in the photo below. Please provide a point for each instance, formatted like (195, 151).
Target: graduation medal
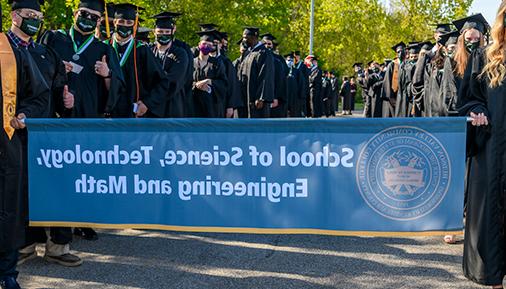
(84, 46)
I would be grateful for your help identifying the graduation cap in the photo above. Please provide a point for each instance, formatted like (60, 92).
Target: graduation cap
(268, 36)
(96, 5)
(370, 62)
(143, 34)
(449, 38)
(427, 45)
(387, 61)
(126, 11)
(166, 19)
(296, 53)
(28, 4)
(208, 26)
(443, 27)
(476, 21)
(414, 47)
(251, 30)
(288, 55)
(400, 44)
(110, 9)
(209, 35)
(358, 64)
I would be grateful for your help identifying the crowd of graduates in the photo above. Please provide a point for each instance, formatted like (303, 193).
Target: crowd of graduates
(105, 66)
(462, 74)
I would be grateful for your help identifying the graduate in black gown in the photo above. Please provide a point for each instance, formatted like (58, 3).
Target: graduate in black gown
(481, 97)
(374, 83)
(279, 103)
(326, 93)
(345, 93)
(209, 79)
(334, 93)
(301, 66)
(24, 96)
(146, 81)
(362, 83)
(232, 100)
(257, 75)
(26, 20)
(93, 71)
(391, 81)
(242, 111)
(450, 82)
(293, 89)
(101, 31)
(174, 61)
(315, 86)
(404, 100)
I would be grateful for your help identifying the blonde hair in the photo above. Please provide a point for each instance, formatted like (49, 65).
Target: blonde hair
(462, 55)
(495, 69)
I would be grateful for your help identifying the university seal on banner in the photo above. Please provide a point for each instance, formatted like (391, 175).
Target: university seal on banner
(403, 173)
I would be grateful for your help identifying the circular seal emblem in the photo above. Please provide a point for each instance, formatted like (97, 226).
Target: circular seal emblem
(403, 173)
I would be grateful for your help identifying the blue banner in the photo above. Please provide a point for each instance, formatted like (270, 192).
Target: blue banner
(321, 176)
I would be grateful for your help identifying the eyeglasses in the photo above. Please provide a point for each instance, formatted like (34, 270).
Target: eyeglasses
(86, 14)
(31, 15)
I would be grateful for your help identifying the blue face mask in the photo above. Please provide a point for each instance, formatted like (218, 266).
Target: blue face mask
(290, 63)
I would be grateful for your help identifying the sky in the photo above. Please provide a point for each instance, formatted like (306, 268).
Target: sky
(486, 7)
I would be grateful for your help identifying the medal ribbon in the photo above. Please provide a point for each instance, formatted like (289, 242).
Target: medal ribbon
(127, 52)
(84, 46)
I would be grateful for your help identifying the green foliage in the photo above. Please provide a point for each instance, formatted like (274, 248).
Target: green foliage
(346, 31)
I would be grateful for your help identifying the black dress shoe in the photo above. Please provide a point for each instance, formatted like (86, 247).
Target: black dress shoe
(9, 283)
(86, 233)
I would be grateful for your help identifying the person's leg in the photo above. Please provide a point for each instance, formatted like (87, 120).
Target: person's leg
(8, 273)
(58, 248)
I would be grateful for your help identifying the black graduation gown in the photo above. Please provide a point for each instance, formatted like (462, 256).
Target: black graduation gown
(151, 79)
(257, 80)
(91, 97)
(304, 84)
(388, 95)
(346, 95)
(32, 99)
(374, 86)
(174, 62)
(403, 100)
(326, 96)
(295, 92)
(450, 84)
(232, 97)
(207, 104)
(315, 92)
(334, 95)
(419, 83)
(281, 71)
(485, 241)
(188, 106)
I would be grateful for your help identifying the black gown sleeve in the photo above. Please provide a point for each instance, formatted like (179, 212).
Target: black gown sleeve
(117, 87)
(33, 92)
(154, 80)
(265, 78)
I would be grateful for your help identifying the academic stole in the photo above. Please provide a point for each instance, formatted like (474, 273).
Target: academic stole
(8, 71)
(395, 78)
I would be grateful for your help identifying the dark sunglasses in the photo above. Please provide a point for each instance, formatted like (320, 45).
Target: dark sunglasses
(88, 15)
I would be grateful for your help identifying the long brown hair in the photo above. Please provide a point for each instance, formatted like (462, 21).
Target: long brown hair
(462, 55)
(495, 69)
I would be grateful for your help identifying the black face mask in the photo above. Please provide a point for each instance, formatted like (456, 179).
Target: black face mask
(471, 46)
(376, 70)
(30, 26)
(164, 39)
(124, 31)
(86, 25)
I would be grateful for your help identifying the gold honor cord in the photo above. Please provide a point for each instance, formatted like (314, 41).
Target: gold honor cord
(8, 70)
(107, 28)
